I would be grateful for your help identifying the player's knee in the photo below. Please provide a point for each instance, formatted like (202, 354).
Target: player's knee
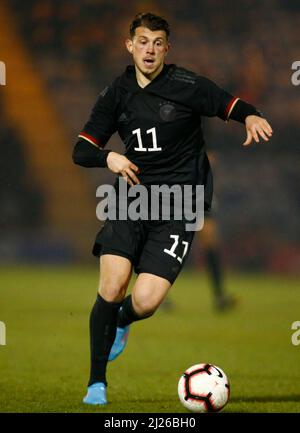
(144, 306)
(112, 291)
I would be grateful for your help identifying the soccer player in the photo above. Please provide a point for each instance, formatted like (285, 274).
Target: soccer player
(210, 243)
(156, 108)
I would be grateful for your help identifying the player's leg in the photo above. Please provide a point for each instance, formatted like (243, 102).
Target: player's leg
(157, 270)
(163, 257)
(209, 237)
(210, 244)
(147, 295)
(115, 273)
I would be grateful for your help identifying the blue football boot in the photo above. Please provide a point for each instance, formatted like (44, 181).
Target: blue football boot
(119, 343)
(96, 394)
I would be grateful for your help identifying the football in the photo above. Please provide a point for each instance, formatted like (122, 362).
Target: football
(204, 388)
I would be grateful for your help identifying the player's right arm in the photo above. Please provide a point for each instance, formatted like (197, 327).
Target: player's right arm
(89, 150)
(88, 155)
(120, 164)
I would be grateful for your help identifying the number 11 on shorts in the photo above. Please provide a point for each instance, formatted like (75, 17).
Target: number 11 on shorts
(171, 251)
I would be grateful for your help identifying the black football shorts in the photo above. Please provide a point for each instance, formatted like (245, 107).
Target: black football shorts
(155, 247)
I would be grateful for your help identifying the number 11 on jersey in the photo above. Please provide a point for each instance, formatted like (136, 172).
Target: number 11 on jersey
(140, 147)
(171, 251)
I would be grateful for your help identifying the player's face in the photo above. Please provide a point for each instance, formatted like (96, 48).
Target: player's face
(148, 49)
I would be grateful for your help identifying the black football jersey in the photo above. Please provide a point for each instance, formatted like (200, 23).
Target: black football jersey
(160, 124)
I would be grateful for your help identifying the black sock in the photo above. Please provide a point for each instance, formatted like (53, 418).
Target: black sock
(214, 268)
(103, 325)
(127, 315)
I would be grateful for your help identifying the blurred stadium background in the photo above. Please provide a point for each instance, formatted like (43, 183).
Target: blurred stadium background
(60, 54)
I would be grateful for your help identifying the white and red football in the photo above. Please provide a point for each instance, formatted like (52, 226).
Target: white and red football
(204, 388)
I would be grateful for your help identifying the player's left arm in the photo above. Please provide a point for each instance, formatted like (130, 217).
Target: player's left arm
(215, 101)
(257, 127)
(236, 109)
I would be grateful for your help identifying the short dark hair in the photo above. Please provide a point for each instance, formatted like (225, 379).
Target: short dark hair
(151, 21)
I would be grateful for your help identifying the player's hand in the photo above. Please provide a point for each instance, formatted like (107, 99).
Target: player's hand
(257, 127)
(121, 165)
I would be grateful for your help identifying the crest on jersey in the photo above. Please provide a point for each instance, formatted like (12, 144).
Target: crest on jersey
(167, 111)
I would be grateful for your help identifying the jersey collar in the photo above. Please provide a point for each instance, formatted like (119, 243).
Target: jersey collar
(131, 80)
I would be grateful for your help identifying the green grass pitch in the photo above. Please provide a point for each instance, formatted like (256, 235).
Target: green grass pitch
(45, 363)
